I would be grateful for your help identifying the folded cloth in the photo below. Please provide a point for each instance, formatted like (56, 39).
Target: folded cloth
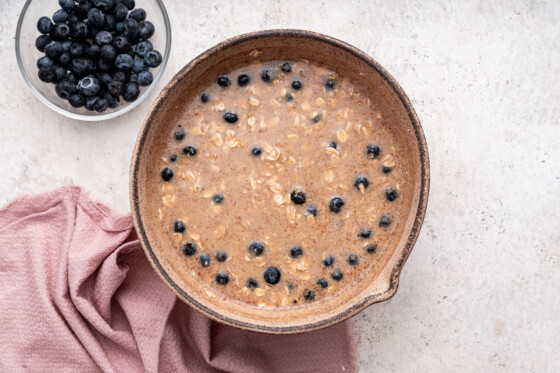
(78, 295)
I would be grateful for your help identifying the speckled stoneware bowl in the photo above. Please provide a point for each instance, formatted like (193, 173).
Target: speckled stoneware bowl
(381, 280)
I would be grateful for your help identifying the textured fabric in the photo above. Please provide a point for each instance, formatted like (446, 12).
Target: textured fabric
(78, 295)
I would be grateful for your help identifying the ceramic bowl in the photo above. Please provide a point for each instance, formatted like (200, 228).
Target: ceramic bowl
(380, 282)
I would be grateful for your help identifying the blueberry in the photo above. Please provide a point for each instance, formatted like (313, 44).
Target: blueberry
(130, 4)
(124, 62)
(60, 16)
(115, 88)
(95, 17)
(104, 5)
(152, 58)
(221, 256)
(65, 59)
(267, 75)
(66, 45)
(296, 84)
(88, 86)
(130, 28)
(272, 275)
(138, 14)
(77, 100)
(104, 79)
(80, 30)
(223, 81)
(256, 248)
(100, 105)
(119, 27)
(361, 181)
(66, 4)
(322, 283)
(112, 101)
(353, 259)
(218, 199)
(145, 78)
(103, 38)
(120, 12)
(286, 67)
(53, 49)
(121, 43)
(230, 117)
(308, 295)
(391, 194)
(289, 97)
(92, 32)
(131, 92)
(328, 261)
(77, 49)
(110, 23)
(73, 18)
(386, 169)
(243, 80)
(41, 42)
(103, 65)
(189, 150)
(317, 118)
(298, 196)
(146, 30)
(311, 210)
(222, 278)
(72, 78)
(296, 251)
(93, 51)
(121, 76)
(371, 249)
(45, 62)
(82, 66)
(256, 151)
(167, 174)
(329, 84)
(143, 47)
(252, 284)
(204, 98)
(335, 204)
(179, 135)
(179, 226)
(337, 275)
(173, 158)
(83, 9)
(385, 221)
(133, 78)
(189, 249)
(204, 260)
(60, 72)
(60, 32)
(373, 151)
(47, 74)
(44, 25)
(333, 145)
(108, 53)
(64, 89)
(138, 66)
(365, 233)
(90, 102)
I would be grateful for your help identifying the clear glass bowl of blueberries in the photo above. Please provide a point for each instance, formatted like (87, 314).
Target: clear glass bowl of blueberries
(92, 59)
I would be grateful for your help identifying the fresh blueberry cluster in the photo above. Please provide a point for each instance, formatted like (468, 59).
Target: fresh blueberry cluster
(97, 51)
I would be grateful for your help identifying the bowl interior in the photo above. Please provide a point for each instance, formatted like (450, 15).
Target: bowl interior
(27, 55)
(380, 281)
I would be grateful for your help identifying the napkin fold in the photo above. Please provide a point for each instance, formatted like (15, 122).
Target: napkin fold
(77, 294)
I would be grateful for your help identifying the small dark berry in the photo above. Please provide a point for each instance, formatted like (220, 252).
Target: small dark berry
(328, 261)
(60, 72)
(146, 30)
(53, 49)
(272, 275)
(120, 12)
(41, 42)
(391, 194)
(65, 59)
(256, 248)
(179, 135)
(167, 174)
(60, 16)
(371, 249)
(179, 226)
(221, 256)
(329, 84)
(64, 89)
(66, 45)
(152, 58)
(189, 249)
(335, 205)
(60, 32)
(77, 49)
(138, 14)
(296, 252)
(131, 92)
(217, 199)
(322, 283)
(373, 151)
(222, 278)
(311, 210)
(90, 102)
(130, 4)
(72, 78)
(353, 259)
(337, 275)
(138, 66)
(333, 145)
(77, 100)
(44, 25)
(120, 76)
(286, 67)
(204, 260)
(256, 151)
(296, 84)
(252, 284)
(385, 221)
(88, 86)
(361, 181)
(317, 118)
(204, 98)
(145, 78)
(386, 169)
(104, 5)
(103, 38)
(73, 18)
(365, 233)
(108, 53)
(110, 23)
(309, 295)
(298, 196)
(267, 75)
(189, 150)
(66, 4)
(103, 65)
(124, 62)
(143, 47)
(173, 158)
(115, 88)
(243, 80)
(82, 66)
(45, 62)
(95, 17)
(100, 105)
(223, 81)
(93, 51)
(121, 43)
(112, 101)
(82, 10)
(230, 117)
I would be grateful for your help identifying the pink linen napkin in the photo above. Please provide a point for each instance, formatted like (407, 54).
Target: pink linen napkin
(77, 294)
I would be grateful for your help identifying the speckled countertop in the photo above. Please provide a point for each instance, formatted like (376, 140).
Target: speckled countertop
(481, 289)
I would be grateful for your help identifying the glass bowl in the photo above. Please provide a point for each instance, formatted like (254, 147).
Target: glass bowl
(27, 55)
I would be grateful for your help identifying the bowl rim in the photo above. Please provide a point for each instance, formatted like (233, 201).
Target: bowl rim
(96, 117)
(415, 229)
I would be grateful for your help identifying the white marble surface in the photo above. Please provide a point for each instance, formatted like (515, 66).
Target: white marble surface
(481, 289)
